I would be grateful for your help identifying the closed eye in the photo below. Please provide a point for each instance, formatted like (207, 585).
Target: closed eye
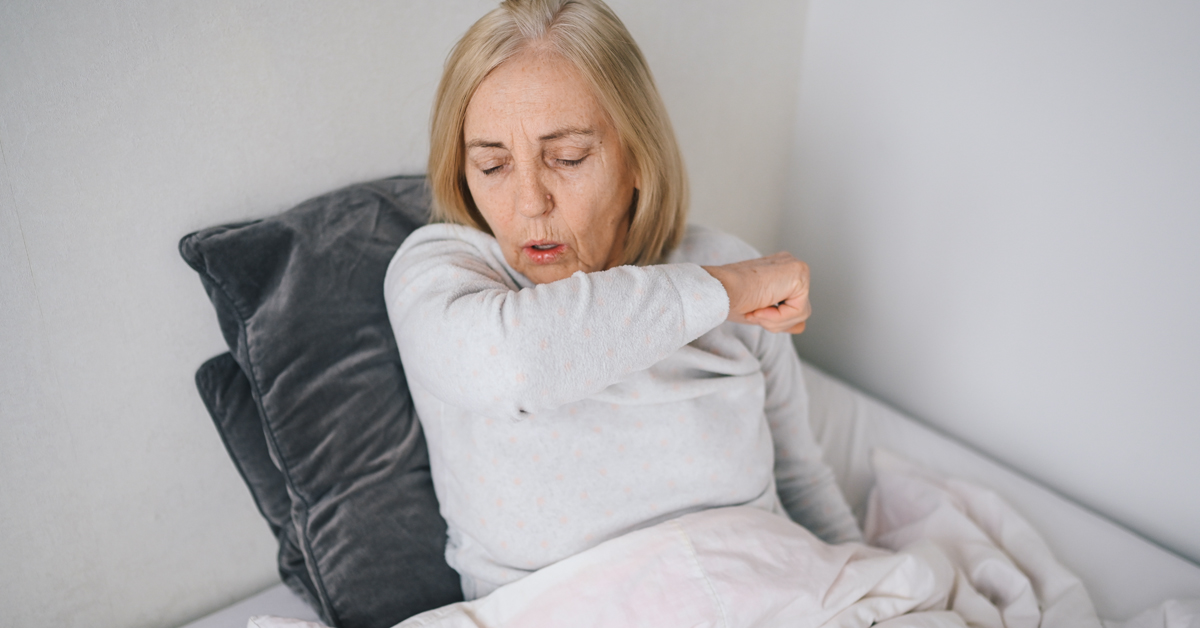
(571, 162)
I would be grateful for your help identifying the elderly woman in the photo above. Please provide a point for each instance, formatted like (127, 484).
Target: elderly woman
(583, 362)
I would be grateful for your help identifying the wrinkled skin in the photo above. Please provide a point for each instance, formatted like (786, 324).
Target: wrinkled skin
(546, 168)
(547, 171)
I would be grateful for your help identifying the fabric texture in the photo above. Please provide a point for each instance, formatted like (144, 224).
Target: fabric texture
(1169, 614)
(226, 393)
(298, 300)
(564, 414)
(957, 556)
(1000, 570)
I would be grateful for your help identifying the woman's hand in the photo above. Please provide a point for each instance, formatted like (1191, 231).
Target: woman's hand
(771, 292)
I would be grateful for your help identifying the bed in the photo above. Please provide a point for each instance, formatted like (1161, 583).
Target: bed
(1124, 573)
(323, 432)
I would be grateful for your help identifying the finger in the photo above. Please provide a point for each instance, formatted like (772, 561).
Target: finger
(799, 309)
(798, 329)
(777, 318)
(785, 315)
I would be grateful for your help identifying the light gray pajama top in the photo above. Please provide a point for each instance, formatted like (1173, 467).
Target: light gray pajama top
(563, 414)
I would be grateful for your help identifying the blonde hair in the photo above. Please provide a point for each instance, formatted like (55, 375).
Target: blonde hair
(590, 36)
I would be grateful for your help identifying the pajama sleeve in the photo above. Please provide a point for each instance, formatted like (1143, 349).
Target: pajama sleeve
(473, 337)
(806, 485)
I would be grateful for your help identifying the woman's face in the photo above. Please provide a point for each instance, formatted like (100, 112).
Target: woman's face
(546, 168)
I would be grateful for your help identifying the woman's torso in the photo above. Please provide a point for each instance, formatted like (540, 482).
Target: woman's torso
(689, 433)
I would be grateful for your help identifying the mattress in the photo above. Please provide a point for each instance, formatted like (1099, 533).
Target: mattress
(1124, 573)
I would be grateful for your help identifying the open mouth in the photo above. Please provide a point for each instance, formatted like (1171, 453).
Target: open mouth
(542, 252)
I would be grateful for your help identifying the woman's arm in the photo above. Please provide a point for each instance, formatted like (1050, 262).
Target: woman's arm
(806, 485)
(773, 293)
(474, 338)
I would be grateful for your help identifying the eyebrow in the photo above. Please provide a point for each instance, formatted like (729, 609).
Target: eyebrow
(561, 133)
(549, 137)
(484, 144)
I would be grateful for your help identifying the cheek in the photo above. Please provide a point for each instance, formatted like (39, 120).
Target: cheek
(487, 201)
(610, 199)
(607, 191)
(600, 206)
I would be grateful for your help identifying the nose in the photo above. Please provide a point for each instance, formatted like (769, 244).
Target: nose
(533, 199)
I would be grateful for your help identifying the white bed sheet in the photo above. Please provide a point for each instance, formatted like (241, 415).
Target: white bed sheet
(1124, 573)
(277, 600)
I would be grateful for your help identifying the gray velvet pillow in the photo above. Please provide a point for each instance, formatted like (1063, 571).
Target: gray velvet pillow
(299, 298)
(226, 393)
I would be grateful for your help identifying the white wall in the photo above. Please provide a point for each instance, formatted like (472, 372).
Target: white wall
(1001, 206)
(125, 125)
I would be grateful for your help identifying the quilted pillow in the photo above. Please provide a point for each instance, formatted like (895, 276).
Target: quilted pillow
(299, 298)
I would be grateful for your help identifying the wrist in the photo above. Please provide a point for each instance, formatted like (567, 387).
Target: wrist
(723, 275)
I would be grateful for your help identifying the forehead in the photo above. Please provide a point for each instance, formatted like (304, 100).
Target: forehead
(534, 94)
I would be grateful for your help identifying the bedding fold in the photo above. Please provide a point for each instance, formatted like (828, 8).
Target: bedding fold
(947, 553)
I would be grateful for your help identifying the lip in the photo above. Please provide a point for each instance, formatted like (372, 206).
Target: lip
(543, 256)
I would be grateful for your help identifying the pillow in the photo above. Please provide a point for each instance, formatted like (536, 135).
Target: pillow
(299, 298)
(226, 393)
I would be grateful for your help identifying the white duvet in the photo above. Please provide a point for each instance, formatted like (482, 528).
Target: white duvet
(943, 553)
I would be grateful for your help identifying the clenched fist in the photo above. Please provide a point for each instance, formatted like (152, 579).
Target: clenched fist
(771, 292)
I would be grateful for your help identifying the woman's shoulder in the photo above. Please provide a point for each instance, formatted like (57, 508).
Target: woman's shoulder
(711, 247)
(455, 236)
(445, 246)
(445, 242)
